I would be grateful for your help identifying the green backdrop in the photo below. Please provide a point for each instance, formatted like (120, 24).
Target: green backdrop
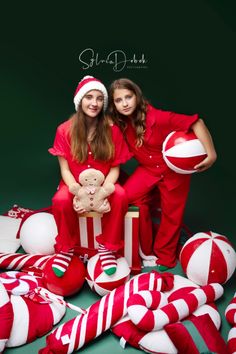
(189, 52)
(187, 64)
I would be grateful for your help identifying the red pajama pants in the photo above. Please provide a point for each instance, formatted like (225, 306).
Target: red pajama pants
(139, 189)
(68, 225)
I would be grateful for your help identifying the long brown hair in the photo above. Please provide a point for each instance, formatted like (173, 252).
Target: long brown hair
(139, 115)
(101, 145)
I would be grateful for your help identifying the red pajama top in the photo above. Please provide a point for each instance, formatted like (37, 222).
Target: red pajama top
(62, 147)
(158, 125)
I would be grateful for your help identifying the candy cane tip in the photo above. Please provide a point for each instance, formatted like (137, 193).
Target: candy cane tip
(76, 308)
(218, 288)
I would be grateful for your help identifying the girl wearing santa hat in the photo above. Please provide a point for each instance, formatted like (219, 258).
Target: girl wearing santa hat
(145, 129)
(88, 140)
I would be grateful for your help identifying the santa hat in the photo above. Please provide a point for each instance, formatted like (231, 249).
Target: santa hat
(87, 84)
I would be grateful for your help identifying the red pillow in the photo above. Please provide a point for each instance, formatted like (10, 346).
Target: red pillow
(196, 335)
(17, 212)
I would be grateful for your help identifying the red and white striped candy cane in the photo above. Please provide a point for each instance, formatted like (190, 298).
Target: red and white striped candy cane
(17, 261)
(154, 320)
(32, 319)
(231, 342)
(50, 297)
(230, 311)
(6, 317)
(141, 306)
(103, 314)
(18, 283)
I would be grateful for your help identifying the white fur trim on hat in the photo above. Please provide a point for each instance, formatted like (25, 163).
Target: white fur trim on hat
(87, 84)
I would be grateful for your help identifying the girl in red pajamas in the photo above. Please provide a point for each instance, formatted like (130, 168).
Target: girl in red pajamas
(88, 140)
(145, 129)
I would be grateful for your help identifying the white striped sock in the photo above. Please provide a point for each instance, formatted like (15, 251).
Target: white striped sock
(108, 260)
(61, 262)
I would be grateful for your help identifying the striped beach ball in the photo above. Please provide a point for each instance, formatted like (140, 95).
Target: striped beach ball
(182, 151)
(208, 257)
(102, 283)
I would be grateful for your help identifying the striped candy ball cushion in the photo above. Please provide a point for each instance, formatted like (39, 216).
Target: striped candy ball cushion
(208, 257)
(102, 283)
(182, 151)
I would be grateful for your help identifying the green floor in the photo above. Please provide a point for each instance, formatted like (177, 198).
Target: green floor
(109, 343)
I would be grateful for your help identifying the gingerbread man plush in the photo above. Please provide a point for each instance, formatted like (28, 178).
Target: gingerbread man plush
(90, 194)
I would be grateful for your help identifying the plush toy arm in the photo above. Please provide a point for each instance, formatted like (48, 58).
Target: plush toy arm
(79, 192)
(101, 196)
(78, 206)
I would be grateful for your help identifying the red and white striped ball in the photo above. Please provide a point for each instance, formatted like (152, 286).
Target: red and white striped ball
(182, 151)
(102, 283)
(208, 257)
(70, 283)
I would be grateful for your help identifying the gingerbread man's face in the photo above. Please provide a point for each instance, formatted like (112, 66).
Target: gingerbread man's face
(91, 177)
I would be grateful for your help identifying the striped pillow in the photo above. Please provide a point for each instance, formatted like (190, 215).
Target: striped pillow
(196, 335)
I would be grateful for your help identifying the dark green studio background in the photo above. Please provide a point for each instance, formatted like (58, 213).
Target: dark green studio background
(188, 57)
(189, 53)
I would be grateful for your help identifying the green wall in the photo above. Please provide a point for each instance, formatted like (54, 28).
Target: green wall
(190, 51)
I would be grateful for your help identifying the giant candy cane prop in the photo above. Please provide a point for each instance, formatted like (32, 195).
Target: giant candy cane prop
(17, 261)
(231, 341)
(230, 311)
(6, 317)
(103, 314)
(230, 314)
(154, 320)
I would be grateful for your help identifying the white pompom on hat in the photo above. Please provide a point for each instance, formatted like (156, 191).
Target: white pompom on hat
(87, 84)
